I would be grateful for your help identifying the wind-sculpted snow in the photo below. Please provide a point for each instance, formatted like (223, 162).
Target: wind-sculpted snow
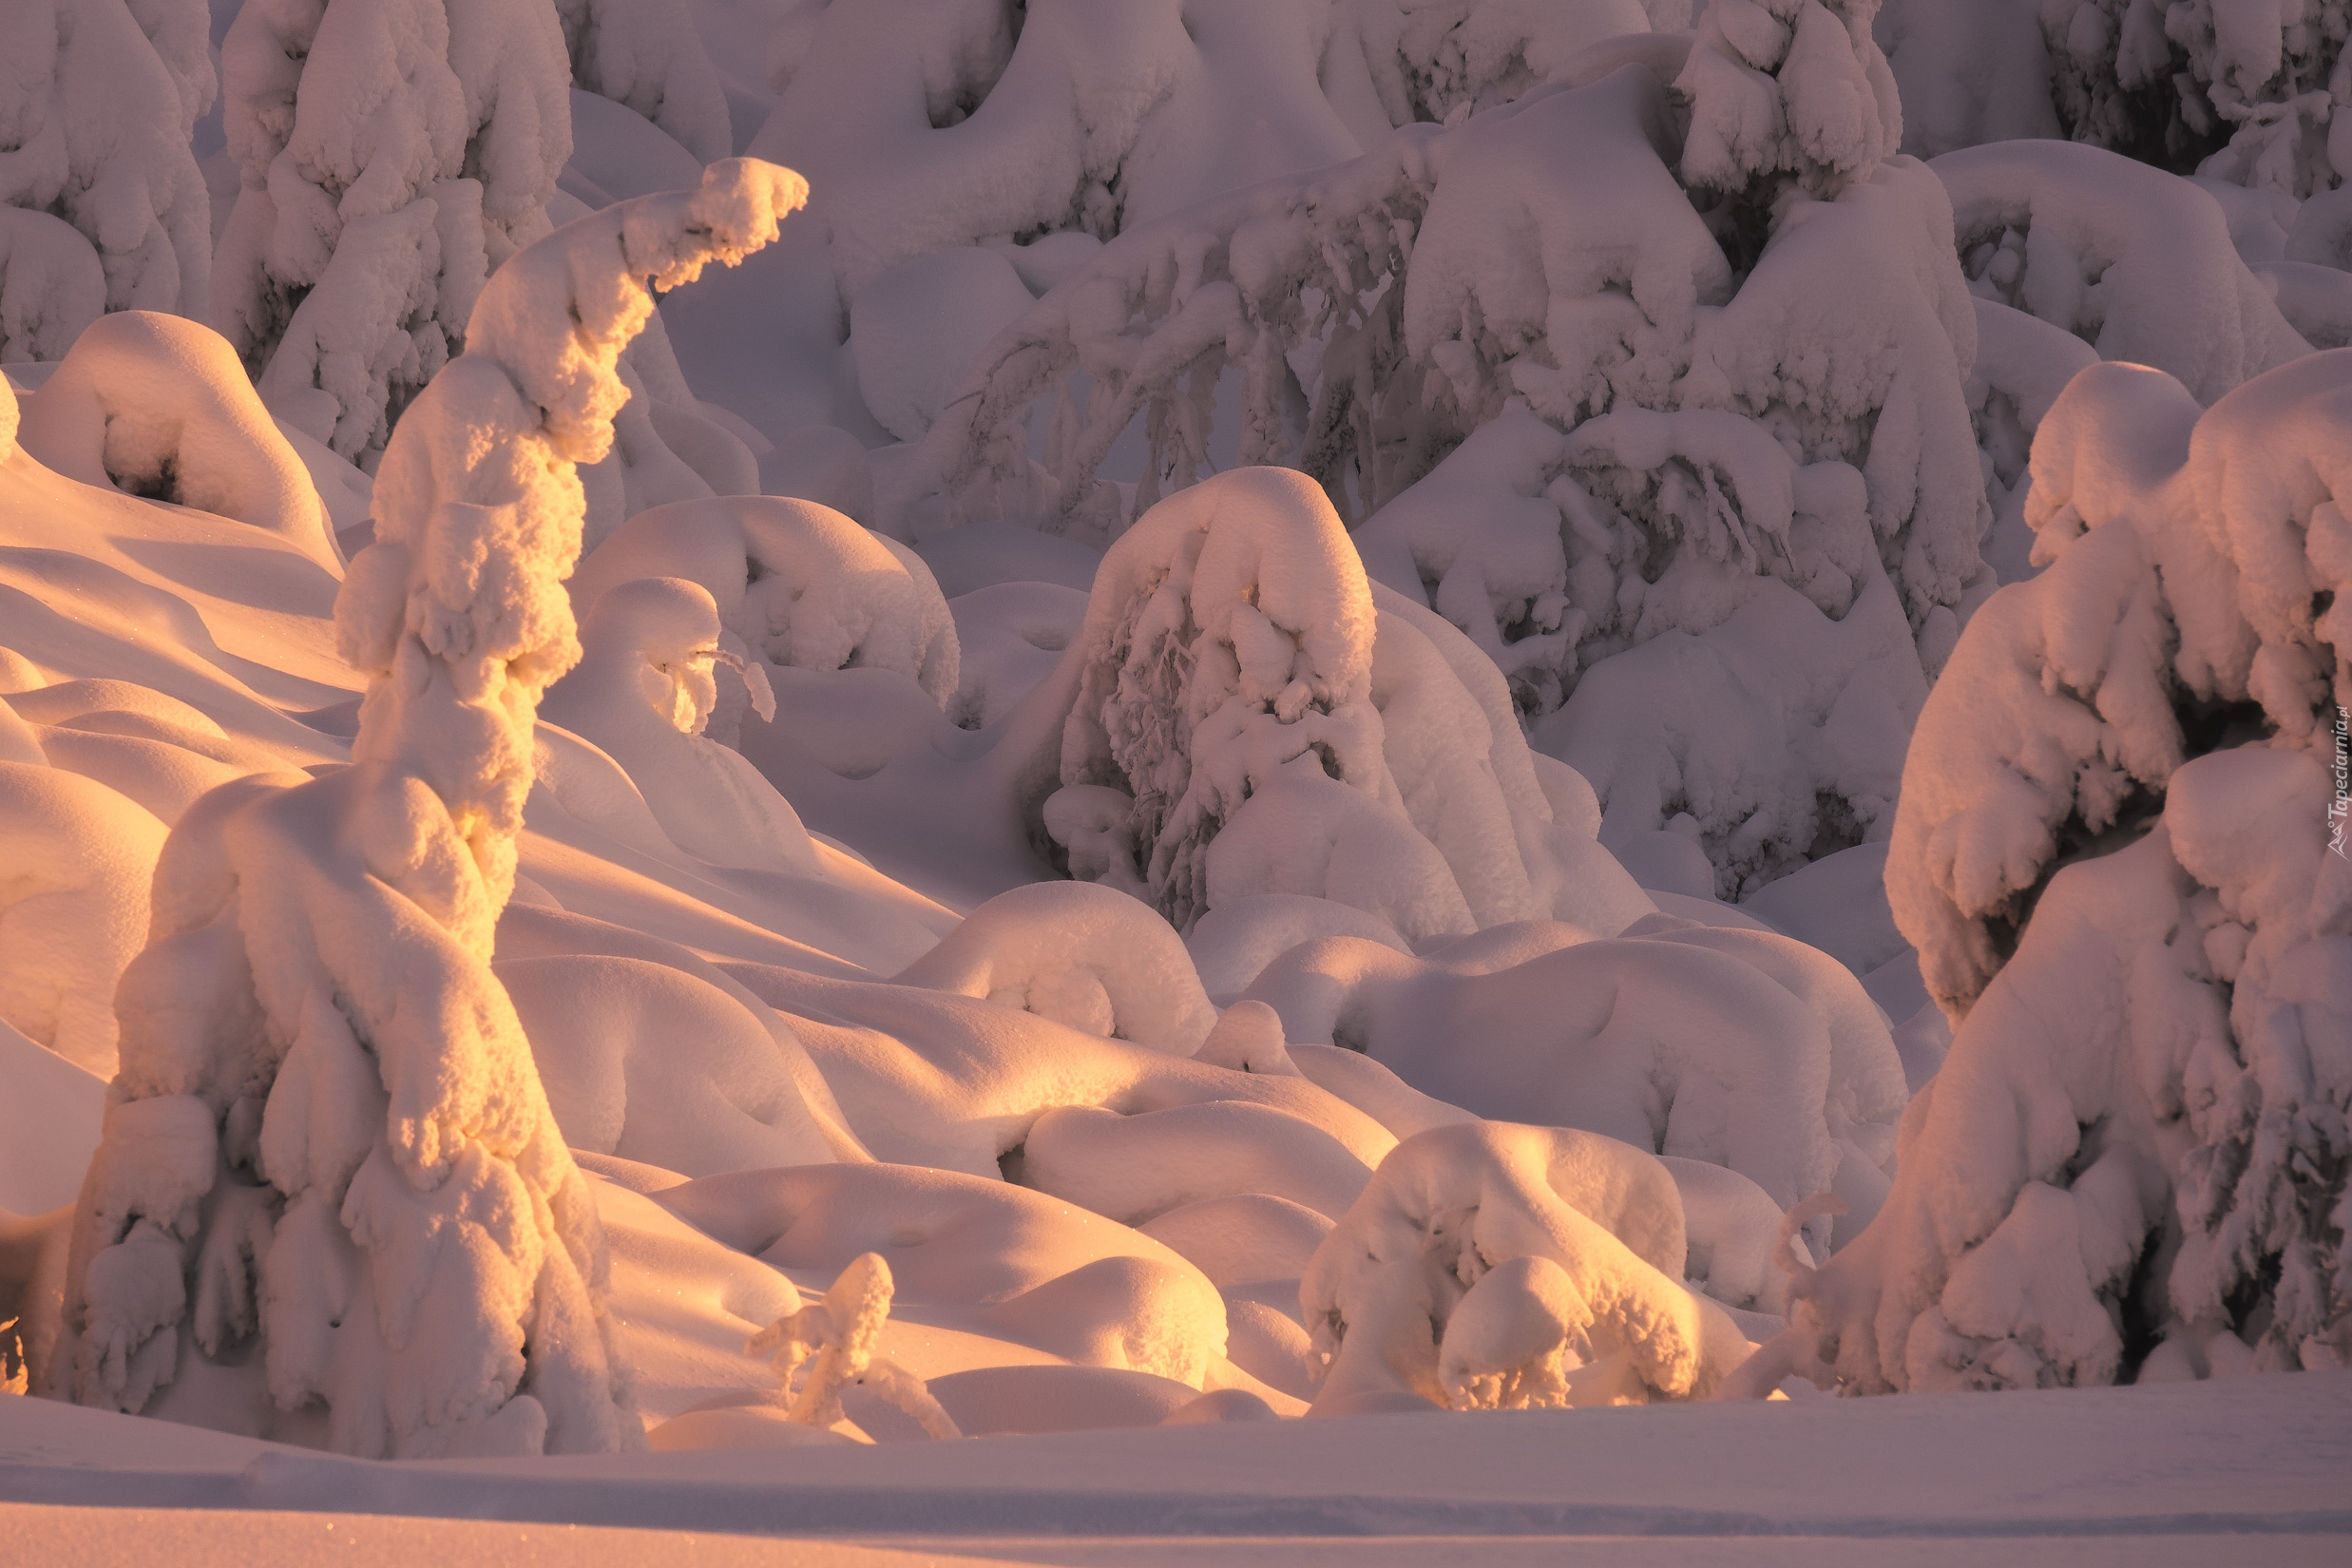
(1492, 1265)
(100, 99)
(1741, 1048)
(329, 1159)
(157, 406)
(1086, 956)
(2114, 852)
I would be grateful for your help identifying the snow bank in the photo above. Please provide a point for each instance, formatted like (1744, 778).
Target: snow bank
(1089, 957)
(330, 1180)
(1742, 1048)
(2114, 852)
(1492, 1265)
(157, 406)
(72, 908)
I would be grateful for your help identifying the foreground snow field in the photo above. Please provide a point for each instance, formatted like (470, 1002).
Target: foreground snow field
(2247, 1471)
(872, 775)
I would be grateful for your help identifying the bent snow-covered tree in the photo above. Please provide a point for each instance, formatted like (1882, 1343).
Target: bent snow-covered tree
(2121, 853)
(391, 156)
(328, 1134)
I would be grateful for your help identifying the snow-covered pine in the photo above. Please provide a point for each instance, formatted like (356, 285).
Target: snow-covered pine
(391, 156)
(96, 104)
(328, 1130)
(2235, 91)
(645, 55)
(2120, 852)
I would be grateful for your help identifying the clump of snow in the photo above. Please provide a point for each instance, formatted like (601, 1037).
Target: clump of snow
(2113, 852)
(1491, 1265)
(1229, 733)
(96, 113)
(830, 1345)
(1089, 957)
(329, 1170)
(157, 406)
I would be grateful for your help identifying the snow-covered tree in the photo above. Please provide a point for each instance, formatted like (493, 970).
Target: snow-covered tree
(390, 157)
(1705, 388)
(328, 1130)
(645, 54)
(2121, 856)
(96, 104)
(2244, 93)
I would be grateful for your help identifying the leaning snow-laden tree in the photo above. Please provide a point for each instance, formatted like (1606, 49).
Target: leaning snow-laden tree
(328, 1156)
(391, 157)
(95, 111)
(2121, 856)
(1245, 714)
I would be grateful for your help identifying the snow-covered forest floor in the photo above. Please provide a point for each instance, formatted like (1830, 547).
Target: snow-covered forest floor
(1157, 782)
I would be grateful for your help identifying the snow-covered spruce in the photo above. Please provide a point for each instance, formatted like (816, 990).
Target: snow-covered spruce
(328, 1130)
(95, 115)
(1247, 717)
(2120, 854)
(1762, 399)
(391, 156)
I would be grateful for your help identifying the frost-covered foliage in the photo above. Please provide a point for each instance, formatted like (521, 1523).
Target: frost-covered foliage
(645, 54)
(157, 406)
(1246, 718)
(97, 101)
(1680, 373)
(1491, 1266)
(391, 156)
(329, 1160)
(2238, 91)
(2120, 853)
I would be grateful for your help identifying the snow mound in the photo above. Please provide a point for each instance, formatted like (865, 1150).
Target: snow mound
(1492, 1265)
(72, 908)
(1249, 717)
(1742, 1048)
(1086, 956)
(155, 406)
(801, 584)
(52, 285)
